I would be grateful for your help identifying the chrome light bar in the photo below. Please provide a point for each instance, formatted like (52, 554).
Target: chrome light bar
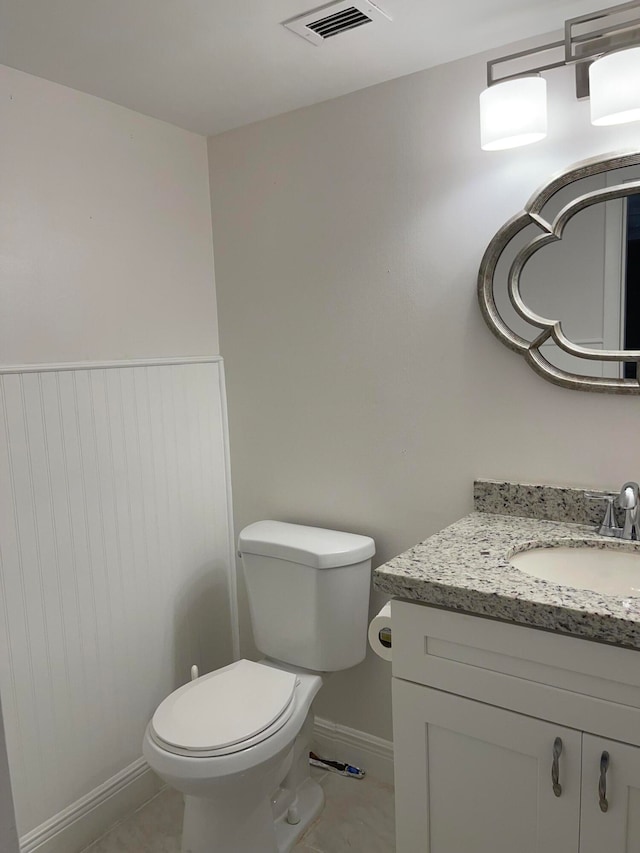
(586, 37)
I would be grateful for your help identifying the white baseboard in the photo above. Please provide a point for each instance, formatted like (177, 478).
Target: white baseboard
(372, 754)
(84, 821)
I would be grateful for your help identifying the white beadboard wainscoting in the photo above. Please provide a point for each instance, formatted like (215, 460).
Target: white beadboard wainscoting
(116, 575)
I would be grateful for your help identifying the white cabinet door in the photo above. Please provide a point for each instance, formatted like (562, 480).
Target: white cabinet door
(616, 829)
(471, 778)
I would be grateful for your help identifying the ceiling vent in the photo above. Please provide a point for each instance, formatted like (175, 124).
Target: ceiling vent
(334, 19)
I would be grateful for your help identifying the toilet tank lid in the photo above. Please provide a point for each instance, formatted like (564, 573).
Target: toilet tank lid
(312, 546)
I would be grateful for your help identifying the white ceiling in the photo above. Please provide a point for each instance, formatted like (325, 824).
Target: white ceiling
(212, 65)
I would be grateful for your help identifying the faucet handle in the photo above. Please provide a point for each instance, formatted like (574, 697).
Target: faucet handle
(609, 526)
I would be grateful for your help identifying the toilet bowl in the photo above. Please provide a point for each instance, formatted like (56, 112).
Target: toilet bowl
(236, 743)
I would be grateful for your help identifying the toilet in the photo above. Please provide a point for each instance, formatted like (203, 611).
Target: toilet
(236, 741)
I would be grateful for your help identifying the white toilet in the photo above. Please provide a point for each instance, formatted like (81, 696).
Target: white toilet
(236, 741)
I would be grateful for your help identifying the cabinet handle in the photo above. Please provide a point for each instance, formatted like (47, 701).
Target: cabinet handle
(555, 767)
(602, 783)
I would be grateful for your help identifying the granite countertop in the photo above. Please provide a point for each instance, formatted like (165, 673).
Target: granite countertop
(466, 567)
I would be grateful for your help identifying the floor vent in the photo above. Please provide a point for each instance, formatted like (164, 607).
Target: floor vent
(334, 19)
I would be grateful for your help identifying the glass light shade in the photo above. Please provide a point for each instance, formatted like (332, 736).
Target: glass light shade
(614, 84)
(513, 113)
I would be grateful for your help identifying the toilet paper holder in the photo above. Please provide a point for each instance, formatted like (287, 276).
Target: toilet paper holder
(384, 635)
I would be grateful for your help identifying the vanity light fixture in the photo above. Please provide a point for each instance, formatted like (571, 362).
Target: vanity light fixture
(614, 82)
(513, 113)
(604, 48)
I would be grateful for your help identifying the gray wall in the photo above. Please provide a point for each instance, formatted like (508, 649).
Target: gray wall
(106, 230)
(365, 392)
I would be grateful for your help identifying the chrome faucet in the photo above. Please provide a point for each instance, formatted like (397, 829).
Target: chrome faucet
(629, 501)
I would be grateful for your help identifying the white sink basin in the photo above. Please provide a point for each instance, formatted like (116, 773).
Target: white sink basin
(611, 571)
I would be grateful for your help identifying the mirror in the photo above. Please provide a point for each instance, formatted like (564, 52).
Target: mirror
(560, 281)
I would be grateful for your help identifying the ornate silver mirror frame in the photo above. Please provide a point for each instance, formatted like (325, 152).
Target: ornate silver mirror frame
(552, 231)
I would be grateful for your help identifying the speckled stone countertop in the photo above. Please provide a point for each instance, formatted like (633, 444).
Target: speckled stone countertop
(466, 567)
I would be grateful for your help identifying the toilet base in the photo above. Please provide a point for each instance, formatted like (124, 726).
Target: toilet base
(299, 799)
(265, 829)
(247, 821)
(310, 800)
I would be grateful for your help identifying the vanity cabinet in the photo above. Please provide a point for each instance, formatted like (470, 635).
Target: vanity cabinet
(487, 785)
(499, 735)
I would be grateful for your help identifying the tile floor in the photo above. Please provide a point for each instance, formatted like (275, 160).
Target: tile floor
(357, 818)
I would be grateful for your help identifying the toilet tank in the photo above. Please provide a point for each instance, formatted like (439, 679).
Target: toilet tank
(308, 591)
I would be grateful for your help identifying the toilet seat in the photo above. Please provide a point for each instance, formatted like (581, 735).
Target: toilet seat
(225, 711)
